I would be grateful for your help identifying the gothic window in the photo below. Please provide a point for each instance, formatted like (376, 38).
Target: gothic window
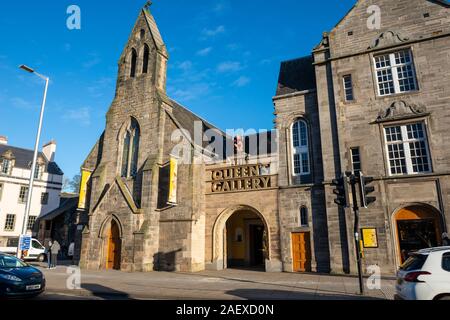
(130, 151)
(300, 148)
(304, 217)
(133, 63)
(145, 61)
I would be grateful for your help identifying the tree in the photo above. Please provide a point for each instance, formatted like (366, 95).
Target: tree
(74, 184)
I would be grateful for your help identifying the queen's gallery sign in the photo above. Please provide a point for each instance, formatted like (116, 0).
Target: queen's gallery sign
(242, 178)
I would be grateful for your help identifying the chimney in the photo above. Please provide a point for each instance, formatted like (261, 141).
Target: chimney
(49, 150)
(3, 140)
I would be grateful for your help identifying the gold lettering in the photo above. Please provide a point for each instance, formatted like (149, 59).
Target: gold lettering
(237, 172)
(266, 181)
(226, 186)
(216, 187)
(256, 183)
(217, 175)
(254, 171)
(245, 172)
(227, 173)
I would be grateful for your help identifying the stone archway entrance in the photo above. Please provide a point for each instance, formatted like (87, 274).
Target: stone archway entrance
(112, 245)
(241, 239)
(417, 227)
(245, 236)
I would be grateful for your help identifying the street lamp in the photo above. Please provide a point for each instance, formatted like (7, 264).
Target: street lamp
(36, 150)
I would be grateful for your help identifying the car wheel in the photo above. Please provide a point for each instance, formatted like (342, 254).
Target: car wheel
(41, 258)
(444, 298)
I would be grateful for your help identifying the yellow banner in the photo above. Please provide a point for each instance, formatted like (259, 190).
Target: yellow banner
(370, 238)
(173, 181)
(85, 176)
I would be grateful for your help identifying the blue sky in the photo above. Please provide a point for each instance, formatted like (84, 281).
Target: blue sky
(224, 62)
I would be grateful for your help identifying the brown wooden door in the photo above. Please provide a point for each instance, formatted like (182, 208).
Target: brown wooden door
(114, 247)
(301, 252)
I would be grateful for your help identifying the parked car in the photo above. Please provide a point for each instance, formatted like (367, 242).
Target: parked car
(36, 252)
(19, 279)
(425, 275)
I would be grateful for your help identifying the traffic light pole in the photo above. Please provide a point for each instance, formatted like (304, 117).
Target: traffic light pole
(353, 182)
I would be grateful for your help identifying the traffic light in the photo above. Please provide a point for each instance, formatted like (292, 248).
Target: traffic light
(366, 189)
(341, 192)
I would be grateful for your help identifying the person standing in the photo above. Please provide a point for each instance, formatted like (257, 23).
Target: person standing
(70, 251)
(49, 254)
(55, 250)
(445, 240)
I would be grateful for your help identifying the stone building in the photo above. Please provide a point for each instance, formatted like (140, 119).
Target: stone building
(15, 172)
(369, 98)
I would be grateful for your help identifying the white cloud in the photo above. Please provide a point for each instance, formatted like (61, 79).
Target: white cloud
(81, 116)
(20, 103)
(95, 60)
(241, 82)
(204, 52)
(213, 32)
(185, 65)
(191, 92)
(229, 66)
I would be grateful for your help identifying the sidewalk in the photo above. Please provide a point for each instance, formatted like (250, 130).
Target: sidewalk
(214, 285)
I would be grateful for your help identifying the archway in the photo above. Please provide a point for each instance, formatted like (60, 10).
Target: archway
(114, 247)
(111, 234)
(241, 239)
(416, 227)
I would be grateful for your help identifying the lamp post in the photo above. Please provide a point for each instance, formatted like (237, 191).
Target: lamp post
(36, 149)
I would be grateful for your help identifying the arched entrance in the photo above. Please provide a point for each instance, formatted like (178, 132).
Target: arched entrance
(241, 239)
(113, 245)
(417, 227)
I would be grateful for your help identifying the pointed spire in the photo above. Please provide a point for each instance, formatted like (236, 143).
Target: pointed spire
(148, 5)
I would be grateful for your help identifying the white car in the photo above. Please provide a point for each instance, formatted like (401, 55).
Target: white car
(37, 251)
(425, 276)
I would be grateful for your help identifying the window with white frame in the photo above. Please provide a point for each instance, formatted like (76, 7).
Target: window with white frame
(31, 222)
(348, 87)
(407, 149)
(23, 194)
(6, 166)
(304, 217)
(38, 171)
(300, 150)
(395, 73)
(10, 222)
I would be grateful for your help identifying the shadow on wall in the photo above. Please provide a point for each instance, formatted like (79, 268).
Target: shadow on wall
(166, 261)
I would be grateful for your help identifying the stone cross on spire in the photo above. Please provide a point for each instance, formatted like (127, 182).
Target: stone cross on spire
(148, 4)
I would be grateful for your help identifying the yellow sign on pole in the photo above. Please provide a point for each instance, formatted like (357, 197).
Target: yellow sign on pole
(370, 237)
(173, 181)
(85, 176)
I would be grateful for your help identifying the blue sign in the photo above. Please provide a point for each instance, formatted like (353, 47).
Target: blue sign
(25, 242)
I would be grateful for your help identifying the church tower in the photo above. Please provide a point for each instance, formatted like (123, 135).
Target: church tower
(128, 192)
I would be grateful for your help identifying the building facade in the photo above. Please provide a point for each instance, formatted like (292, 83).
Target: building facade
(15, 170)
(370, 98)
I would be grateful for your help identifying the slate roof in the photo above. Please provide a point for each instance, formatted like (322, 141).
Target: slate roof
(24, 157)
(67, 202)
(296, 75)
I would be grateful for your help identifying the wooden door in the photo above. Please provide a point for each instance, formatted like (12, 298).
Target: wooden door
(114, 247)
(301, 252)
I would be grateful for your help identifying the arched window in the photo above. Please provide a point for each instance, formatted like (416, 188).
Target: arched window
(133, 63)
(300, 148)
(304, 217)
(145, 61)
(130, 152)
